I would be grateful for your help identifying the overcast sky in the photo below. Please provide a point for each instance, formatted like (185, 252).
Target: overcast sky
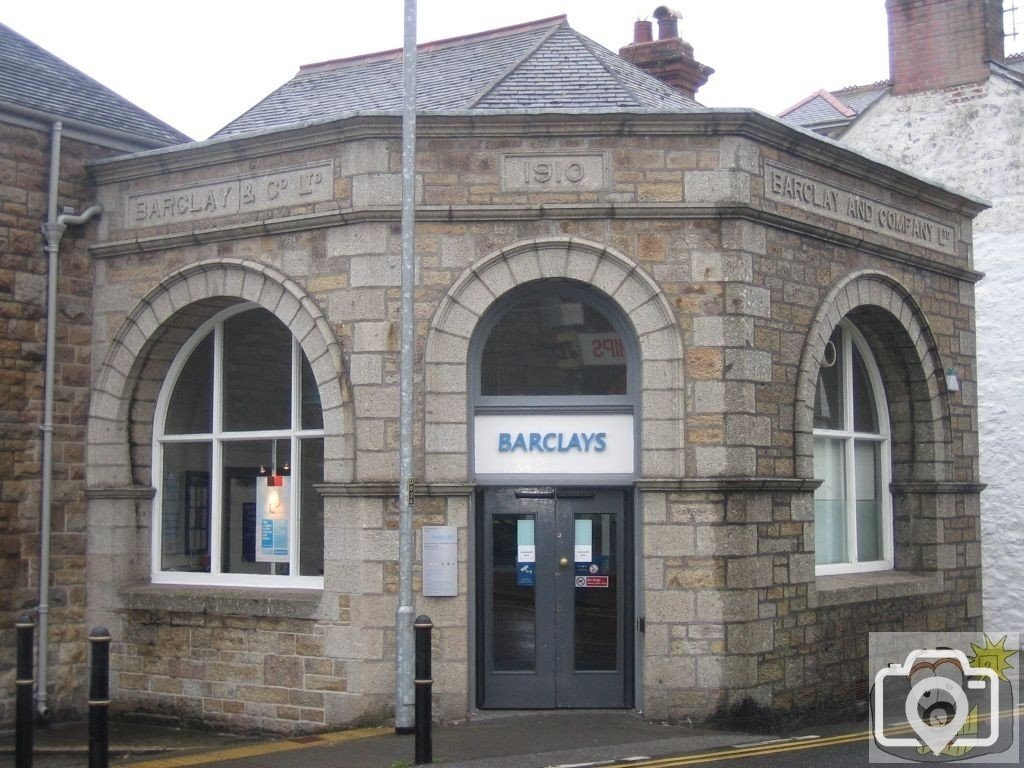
(197, 65)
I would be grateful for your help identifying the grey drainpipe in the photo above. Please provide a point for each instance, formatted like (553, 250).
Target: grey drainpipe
(53, 230)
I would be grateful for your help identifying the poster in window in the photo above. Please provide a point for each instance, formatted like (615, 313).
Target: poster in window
(273, 516)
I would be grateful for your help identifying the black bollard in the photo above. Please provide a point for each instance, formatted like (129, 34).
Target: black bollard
(424, 684)
(99, 698)
(24, 682)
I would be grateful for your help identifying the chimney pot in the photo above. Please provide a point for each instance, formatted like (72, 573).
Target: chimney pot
(668, 22)
(668, 29)
(670, 59)
(643, 31)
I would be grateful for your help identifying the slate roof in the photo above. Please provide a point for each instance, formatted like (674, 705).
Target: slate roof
(828, 111)
(540, 65)
(35, 82)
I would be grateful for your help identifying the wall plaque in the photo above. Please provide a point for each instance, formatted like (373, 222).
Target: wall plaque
(792, 188)
(553, 173)
(440, 561)
(288, 186)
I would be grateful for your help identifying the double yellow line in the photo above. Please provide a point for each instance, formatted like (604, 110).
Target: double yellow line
(261, 749)
(762, 749)
(755, 750)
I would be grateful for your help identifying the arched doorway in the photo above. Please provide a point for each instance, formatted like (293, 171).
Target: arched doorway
(554, 385)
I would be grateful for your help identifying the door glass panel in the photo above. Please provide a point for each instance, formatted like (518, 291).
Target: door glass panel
(513, 594)
(595, 638)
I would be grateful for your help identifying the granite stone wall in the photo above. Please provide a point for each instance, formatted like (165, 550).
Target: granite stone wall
(733, 247)
(24, 178)
(965, 137)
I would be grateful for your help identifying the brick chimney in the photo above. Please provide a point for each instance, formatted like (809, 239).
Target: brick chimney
(935, 44)
(668, 58)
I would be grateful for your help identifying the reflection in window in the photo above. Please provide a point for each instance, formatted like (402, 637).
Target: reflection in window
(852, 524)
(240, 423)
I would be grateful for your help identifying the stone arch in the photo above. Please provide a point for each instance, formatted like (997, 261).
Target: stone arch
(446, 355)
(908, 357)
(121, 410)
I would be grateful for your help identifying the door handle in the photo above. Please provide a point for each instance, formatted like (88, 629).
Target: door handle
(564, 562)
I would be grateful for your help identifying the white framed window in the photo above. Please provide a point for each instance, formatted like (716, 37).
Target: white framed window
(237, 448)
(852, 506)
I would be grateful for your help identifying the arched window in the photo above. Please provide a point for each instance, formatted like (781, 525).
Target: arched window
(238, 445)
(554, 340)
(555, 379)
(852, 506)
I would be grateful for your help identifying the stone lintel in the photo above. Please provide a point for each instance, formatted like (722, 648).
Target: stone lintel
(124, 492)
(729, 484)
(388, 489)
(937, 486)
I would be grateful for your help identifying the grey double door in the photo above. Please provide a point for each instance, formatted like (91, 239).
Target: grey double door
(555, 598)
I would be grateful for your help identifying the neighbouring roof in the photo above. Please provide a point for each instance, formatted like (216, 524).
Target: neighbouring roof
(34, 82)
(541, 65)
(826, 112)
(1015, 61)
(829, 112)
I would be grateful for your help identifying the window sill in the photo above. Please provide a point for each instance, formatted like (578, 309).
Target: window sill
(845, 588)
(224, 601)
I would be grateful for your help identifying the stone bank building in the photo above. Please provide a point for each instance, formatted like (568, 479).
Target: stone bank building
(682, 430)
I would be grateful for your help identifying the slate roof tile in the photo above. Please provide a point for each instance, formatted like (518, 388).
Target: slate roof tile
(33, 79)
(830, 109)
(541, 65)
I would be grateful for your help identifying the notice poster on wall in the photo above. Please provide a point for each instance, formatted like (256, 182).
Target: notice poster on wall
(584, 548)
(273, 518)
(440, 561)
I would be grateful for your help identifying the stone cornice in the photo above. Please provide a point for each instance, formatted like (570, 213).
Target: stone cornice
(389, 490)
(620, 211)
(745, 123)
(938, 486)
(137, 492)
(729, 484)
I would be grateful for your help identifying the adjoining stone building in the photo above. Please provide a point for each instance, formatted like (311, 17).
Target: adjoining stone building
(680, 400)
(952, 110)
(53, 121)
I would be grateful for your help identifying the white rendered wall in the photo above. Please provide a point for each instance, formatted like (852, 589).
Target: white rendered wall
(970, 139)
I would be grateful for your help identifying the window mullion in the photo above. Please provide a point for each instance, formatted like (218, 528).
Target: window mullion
(217, 452)
(851, 500)
(296, 462)
(848, 450)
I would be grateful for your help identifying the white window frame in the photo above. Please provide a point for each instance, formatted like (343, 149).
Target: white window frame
(849, 437)
(216, 440)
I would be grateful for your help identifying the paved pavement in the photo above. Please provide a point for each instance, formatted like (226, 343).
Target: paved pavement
(493, 740)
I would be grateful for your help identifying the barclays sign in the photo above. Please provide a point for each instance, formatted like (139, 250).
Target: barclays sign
(559, 444)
